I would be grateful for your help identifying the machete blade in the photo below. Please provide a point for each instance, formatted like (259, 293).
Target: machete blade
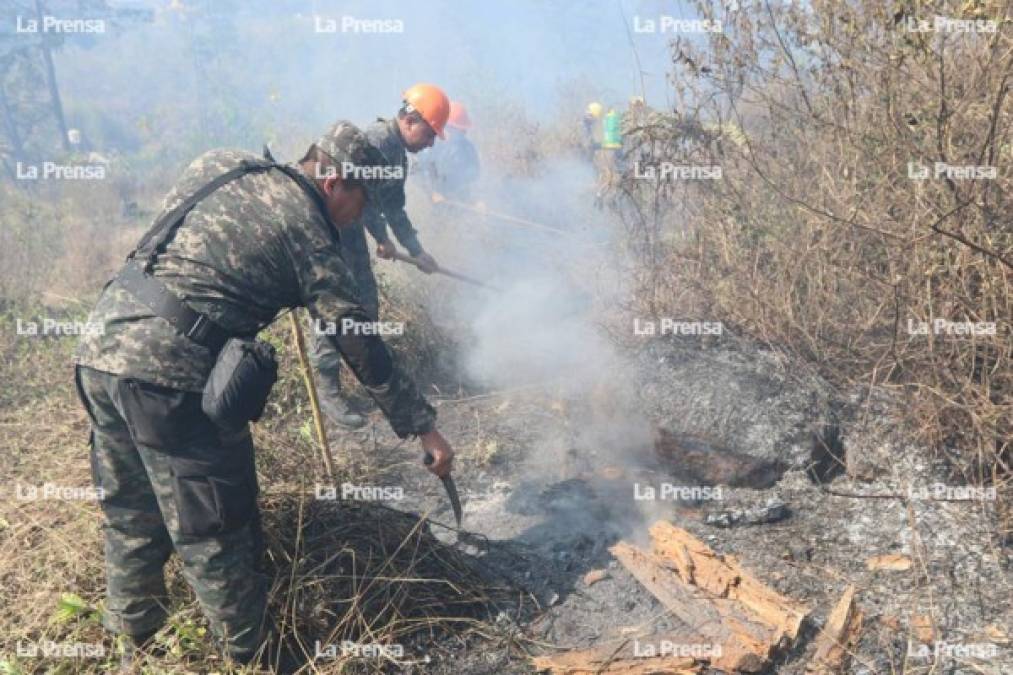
(455, 499)
(451, 488)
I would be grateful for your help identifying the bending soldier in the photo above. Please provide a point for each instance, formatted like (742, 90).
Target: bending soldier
(239, 240)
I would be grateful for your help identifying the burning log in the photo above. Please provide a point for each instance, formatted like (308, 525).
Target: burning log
(723, 577)
(746, 620)
(700, 461)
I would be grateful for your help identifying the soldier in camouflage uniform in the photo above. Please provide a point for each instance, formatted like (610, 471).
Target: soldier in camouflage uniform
(420, 120)
(173, 480)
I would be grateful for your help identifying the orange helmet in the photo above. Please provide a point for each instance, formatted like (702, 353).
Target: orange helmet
(431, 103)
(458, 116)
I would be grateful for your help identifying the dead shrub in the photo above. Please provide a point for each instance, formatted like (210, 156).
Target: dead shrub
(822, 234)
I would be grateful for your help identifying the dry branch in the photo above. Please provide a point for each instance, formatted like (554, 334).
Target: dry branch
(838, 638)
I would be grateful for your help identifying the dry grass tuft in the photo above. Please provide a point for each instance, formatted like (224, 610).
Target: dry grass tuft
(367, 574)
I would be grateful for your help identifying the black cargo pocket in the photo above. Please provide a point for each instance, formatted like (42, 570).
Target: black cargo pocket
(212, 505)
(161, 417)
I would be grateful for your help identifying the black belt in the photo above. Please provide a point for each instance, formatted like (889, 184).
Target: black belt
(160, 300)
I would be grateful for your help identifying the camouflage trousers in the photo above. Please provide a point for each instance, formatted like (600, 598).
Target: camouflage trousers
(171, 481)
(324, 357)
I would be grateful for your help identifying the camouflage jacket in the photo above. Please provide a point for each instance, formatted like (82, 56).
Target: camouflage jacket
(255, 246)
(389, 207)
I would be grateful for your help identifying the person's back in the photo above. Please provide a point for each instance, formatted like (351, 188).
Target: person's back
(453, 166)
(233, 260)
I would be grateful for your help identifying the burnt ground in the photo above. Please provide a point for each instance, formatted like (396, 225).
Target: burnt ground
(544, 499)
(549, 475)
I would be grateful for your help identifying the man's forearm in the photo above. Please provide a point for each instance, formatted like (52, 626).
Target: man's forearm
(402, 228)
(374, 223)
(393, 390)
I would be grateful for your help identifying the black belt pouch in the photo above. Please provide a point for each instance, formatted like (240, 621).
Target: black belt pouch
(240, 382)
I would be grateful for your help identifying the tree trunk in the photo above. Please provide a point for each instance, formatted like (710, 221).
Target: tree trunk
(54, 91)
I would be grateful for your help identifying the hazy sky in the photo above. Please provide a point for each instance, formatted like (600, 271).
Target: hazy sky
(274, 59)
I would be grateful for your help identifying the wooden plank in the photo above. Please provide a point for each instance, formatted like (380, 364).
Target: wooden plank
(723, 577)
(743, 645)
(838, 638)
(714, 596)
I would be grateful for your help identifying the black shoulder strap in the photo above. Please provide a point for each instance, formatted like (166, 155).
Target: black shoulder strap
(303, 182)
(311, 191)
(164, 229)
(135, 276)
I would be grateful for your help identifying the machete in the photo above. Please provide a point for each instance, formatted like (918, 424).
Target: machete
(451, 488)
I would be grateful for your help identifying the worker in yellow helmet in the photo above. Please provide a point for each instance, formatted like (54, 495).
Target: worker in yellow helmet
(591, 128)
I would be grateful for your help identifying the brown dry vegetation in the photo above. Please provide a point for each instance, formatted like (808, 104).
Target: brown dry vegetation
(336, 573)
(816, 238)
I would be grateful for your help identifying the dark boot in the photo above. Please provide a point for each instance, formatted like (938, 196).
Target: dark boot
(337, 412)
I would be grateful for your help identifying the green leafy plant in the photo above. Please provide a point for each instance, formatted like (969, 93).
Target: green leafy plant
(189, 636)
(72, 606)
